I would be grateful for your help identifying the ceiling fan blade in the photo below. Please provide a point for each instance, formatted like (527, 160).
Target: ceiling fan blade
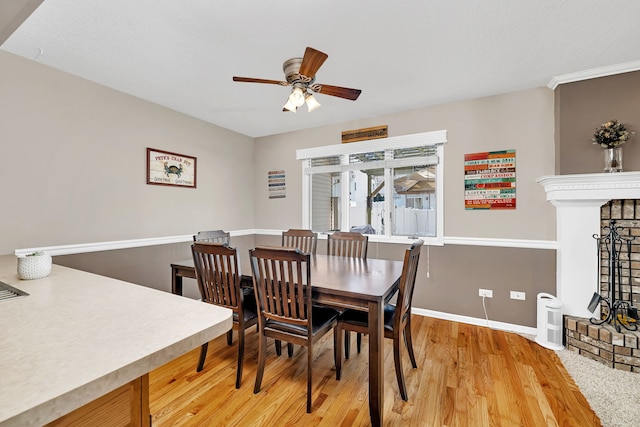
(340, 92)
(311, 62)
(252, 80)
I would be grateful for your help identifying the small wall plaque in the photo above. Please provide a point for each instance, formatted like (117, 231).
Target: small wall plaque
(277, 184)
(364, 134)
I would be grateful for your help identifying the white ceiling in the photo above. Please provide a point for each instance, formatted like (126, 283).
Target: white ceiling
(402, 54)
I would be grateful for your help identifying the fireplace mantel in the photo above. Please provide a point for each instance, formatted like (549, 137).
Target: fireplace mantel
(578, 199)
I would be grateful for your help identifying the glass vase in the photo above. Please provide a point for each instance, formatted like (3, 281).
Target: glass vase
(613, 159)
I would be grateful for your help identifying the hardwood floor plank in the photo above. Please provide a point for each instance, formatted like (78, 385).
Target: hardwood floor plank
(467, 376)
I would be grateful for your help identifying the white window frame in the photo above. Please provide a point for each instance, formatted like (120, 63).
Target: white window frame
(436, 138)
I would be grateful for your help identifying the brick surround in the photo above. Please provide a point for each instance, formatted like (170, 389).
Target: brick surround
(603, 344)
(627, 215)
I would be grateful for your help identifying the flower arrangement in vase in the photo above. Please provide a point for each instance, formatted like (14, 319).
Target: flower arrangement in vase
(610, 136)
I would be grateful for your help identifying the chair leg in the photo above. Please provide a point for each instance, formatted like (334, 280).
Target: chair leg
(309, 376)
(278, 347)
(347, 343)
(337, 350)
(262, 357)
(240, 358)
(358, 341)
(203, 356)
(290, 349)
(230, 337)
(408, 342)
(398, 362)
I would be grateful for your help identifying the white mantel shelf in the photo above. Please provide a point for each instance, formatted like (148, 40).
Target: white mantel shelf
(578, 199)
(594, 186)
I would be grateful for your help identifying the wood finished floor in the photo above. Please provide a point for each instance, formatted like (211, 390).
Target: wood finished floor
(467, 376)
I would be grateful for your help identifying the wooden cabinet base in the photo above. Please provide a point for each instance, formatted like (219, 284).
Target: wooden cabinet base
(124, 406)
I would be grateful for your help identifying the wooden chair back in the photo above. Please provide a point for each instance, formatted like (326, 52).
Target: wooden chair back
(280, 276)
(407, 285)
(213, 236)
(348, 244)
(216, 267)
(305, 240)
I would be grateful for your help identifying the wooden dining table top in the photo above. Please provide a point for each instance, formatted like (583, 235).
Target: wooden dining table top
(369, 280)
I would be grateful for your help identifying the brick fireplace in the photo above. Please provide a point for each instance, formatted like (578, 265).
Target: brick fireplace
(584, 203)
(626, 214)
(578, 200)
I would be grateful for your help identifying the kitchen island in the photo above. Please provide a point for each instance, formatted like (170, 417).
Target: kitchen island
(80, 344)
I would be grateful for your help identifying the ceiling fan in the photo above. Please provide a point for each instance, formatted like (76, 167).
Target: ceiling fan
(300, 73)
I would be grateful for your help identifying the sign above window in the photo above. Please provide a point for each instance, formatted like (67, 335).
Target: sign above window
(364, 134)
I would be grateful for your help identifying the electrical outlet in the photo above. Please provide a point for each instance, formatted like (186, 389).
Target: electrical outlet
(485, 293)
(518, 295)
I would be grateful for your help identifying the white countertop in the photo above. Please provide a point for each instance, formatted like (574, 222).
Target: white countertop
(78, 336)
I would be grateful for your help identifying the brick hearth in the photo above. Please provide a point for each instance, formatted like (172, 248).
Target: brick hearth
(603, 343)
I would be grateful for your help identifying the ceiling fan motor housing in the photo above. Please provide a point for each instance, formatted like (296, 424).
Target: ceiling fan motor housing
(291, 68)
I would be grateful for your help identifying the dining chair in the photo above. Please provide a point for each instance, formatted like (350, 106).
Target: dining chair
(218, 278)
(213, 236)
(353, 245)
(348, 244)
(221, 236)
(305, 240)
(282, 282)
(397, 318)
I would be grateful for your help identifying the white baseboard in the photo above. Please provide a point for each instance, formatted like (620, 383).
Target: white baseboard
(509, 327)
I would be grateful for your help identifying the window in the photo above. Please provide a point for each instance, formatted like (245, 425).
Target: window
(391, 188)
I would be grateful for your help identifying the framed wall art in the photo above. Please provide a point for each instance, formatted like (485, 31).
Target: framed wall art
(490, 180)
(166, 168)
(277, 184)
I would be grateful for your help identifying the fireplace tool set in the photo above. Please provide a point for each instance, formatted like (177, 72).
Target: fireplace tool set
(615, 308)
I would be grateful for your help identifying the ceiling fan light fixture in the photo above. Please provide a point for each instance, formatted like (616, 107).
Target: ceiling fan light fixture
(297, 97)
(289, 106)
(312, 102)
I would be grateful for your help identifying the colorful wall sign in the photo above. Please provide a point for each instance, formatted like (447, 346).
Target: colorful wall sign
(490, 180)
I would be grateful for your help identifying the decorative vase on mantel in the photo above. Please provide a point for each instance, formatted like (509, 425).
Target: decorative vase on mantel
(610, 136)
(613, 159)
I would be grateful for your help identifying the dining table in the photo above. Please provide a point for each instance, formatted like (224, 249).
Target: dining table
(341, 282)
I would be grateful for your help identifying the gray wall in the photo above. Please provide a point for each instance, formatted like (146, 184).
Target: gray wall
(583, 106)
(77, 175)
(74, 164)
(450, 276)
(74, 171)
(522, 121)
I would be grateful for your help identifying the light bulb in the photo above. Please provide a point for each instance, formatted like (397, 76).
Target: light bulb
(297, 97)
(312, 102)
